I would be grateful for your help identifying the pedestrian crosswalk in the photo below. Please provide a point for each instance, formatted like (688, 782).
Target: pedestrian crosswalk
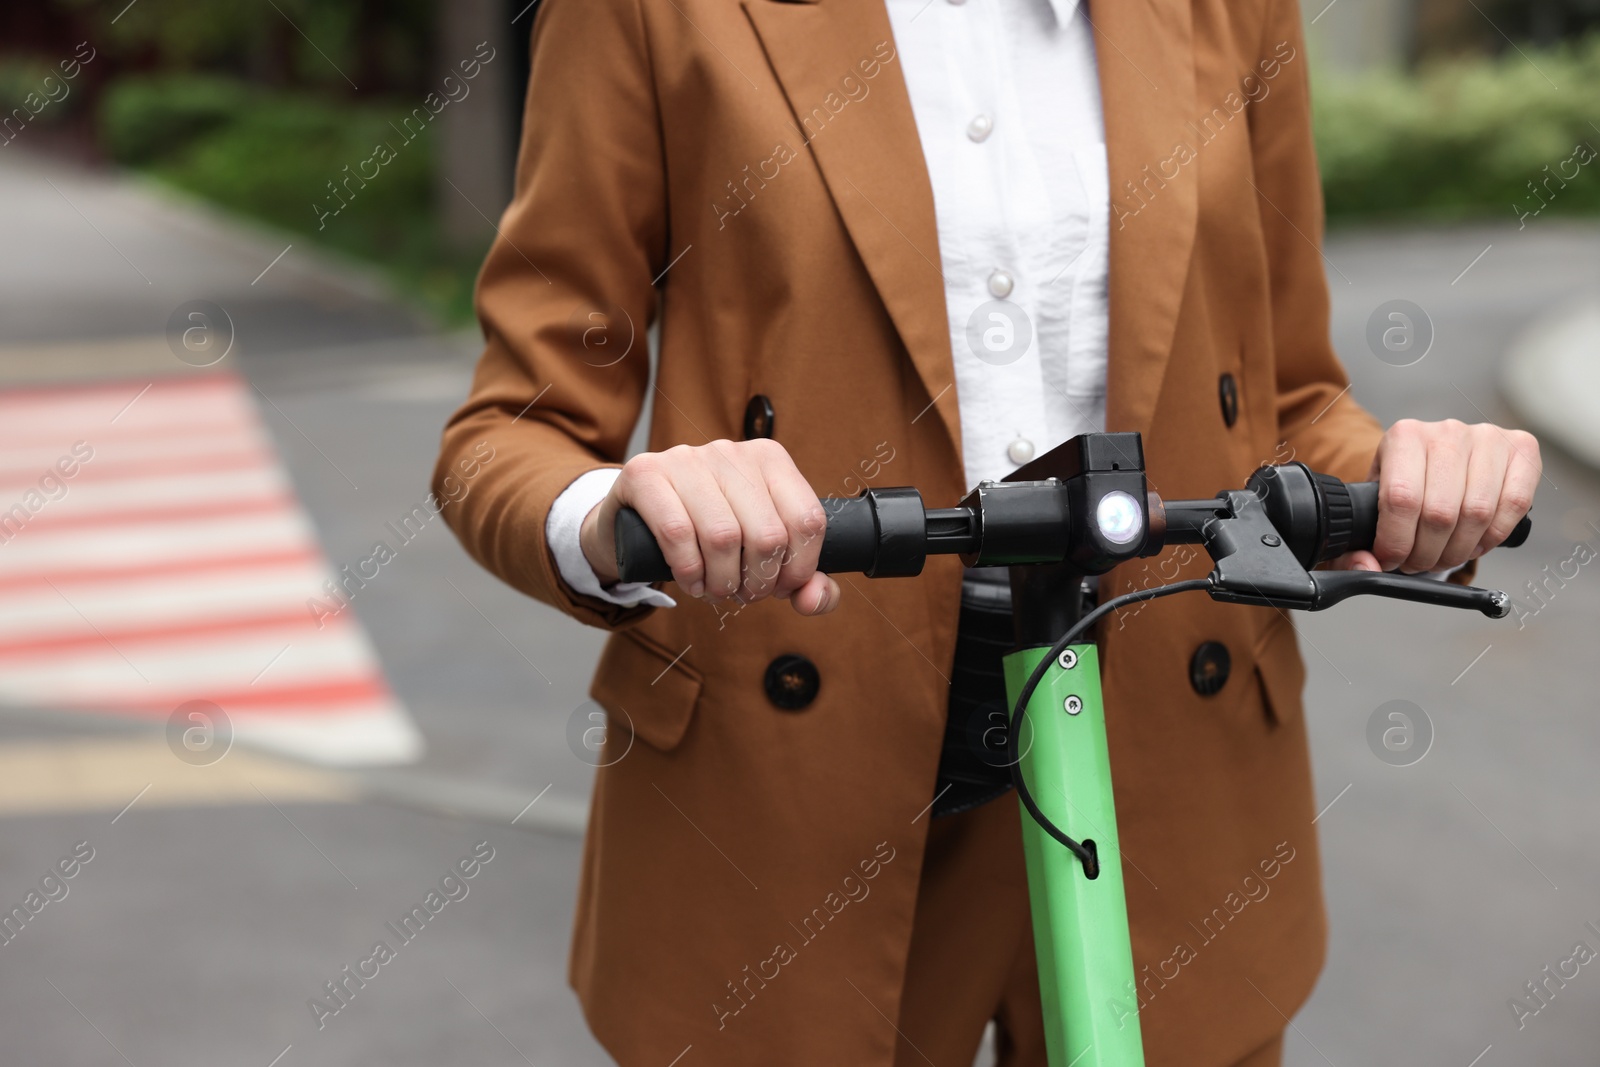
(153, 552)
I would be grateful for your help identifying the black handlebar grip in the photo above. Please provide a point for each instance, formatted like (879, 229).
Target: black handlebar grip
(639, 558)
(1363, 514)
(849, 542)
(1364, 518)
(1519, 533)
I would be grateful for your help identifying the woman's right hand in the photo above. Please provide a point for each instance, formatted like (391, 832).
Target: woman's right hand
(733, 518)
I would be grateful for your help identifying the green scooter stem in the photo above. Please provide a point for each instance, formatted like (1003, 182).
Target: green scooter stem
(1080, 925)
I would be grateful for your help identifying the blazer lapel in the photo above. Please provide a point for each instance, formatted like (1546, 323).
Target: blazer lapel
(1145, 52)
(871, 159)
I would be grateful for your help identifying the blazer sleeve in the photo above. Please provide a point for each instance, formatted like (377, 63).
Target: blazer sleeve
(565, 298)
(1317, 416)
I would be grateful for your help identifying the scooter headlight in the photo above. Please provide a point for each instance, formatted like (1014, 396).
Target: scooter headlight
(1119, 517)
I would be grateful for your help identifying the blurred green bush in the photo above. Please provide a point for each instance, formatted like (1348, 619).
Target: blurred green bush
(273, 155)
(145, 119)
(1464, 138)
(381, 45)
(25, 80)
(1461, 138)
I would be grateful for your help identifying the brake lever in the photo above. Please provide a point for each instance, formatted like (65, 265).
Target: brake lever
(1254, 566)
(1333, 586)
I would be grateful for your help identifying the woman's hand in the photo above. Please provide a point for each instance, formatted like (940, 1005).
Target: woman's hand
(733, 518)
(1447, 493)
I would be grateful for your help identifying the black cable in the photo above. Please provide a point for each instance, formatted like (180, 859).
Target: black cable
(1087, 856)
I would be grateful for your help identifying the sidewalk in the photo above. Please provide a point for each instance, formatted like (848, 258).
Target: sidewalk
(95, 257)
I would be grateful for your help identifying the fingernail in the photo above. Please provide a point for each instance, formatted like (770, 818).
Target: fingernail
(1480, 550)
(696, 589)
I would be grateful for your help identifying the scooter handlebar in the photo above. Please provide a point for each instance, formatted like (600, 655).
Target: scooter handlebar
(888, 532)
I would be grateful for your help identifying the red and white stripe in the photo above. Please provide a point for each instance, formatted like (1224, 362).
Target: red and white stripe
(177, 565)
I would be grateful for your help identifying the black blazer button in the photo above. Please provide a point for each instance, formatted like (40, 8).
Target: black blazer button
(791, 682)
(1228, 394)
(758, 417)
(1209, 667)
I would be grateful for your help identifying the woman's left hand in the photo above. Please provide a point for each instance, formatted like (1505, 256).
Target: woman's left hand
(1447, 493)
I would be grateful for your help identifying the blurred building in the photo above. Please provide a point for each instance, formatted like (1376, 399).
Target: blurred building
(477, 145)
(1354, 35)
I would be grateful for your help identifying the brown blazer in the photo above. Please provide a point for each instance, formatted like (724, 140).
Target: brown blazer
(746, 175)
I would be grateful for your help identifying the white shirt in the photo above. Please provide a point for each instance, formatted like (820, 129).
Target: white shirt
(1007, 103)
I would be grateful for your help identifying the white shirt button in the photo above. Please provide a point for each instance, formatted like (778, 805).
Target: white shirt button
(1020, 450)
(1000, 284)
(978, 129)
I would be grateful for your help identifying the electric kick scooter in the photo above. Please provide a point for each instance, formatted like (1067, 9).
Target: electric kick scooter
(1081, 509)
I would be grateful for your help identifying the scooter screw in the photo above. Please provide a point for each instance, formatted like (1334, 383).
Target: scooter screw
(1074, 705)
(1068, 659)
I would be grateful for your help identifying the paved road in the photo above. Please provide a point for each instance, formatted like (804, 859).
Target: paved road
(1454, 881)
(207, 919)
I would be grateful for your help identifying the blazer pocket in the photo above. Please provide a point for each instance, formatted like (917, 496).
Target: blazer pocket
(647, 688)
(1281, 671)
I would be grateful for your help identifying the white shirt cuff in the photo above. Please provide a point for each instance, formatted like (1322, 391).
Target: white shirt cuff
(562, 529)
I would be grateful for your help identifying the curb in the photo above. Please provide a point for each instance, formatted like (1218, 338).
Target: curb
(544, 812)
(1551, 377)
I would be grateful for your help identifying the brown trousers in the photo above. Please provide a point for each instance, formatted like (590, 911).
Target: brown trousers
(972, 950)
